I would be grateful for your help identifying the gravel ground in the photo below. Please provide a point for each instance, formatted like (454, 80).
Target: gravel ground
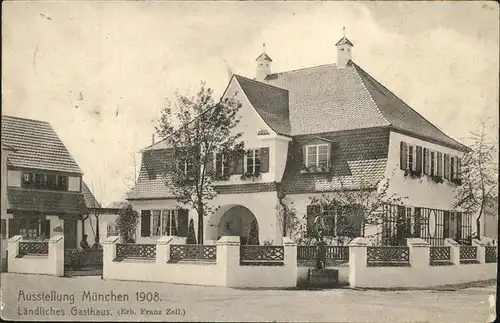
(200, 303)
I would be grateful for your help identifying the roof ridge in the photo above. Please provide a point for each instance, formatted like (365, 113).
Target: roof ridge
(304, 68)
(27, 119)
(259, 82)
(356, 66)
(369, 94)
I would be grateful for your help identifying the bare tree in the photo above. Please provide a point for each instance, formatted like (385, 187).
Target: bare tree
(199, 129)
(479, 174)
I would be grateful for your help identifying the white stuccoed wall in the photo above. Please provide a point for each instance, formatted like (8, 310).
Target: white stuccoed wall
(421, 192)
(52, 264)
(226, 271)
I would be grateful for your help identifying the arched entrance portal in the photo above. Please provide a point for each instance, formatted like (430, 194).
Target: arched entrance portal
(234, 220)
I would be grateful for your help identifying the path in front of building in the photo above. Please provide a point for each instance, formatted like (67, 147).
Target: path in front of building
(200, 303)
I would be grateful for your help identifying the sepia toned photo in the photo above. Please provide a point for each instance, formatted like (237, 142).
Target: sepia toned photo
(249, 161)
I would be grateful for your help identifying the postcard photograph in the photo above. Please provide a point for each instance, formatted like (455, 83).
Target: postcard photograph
(224, 161)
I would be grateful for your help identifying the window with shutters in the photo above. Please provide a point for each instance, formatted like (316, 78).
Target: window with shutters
(221, 166)
(170, 222)
(427, 169)
(252, 161)
(432, 162)
(317, 155)
(410, 158)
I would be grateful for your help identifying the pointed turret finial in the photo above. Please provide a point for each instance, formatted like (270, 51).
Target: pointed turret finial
(343, 31)
(263, 47)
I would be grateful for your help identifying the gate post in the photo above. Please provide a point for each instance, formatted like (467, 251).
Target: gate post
(56, 255)
(481, 251)
(357, 261)
(454, 250)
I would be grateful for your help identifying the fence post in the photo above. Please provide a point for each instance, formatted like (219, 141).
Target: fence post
(357, 261)
(13, 252)
(419, 252)
(108, 254)
(290, 257)
(228, 258)
(454, 251)
(163, 249)
(481, 251)
(56, 255)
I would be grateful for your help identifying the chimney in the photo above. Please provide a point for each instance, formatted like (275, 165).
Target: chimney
(263, 65)
(344, 49)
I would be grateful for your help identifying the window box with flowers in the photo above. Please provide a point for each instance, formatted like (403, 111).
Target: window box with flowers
(413, 173)
(437, 179)
(314, 169)
(250, 175)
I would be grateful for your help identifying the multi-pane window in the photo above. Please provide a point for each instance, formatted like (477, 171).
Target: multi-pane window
(453, 170)
(317, 156)
(221, 165)
(253, 161)
(40, 180)
(30, 228)
(433, 160)
(165, 222)
(410, 157)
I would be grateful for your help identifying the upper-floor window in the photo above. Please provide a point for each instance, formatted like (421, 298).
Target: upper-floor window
(317, 155)
(252, 164)
(429, 161)
(47, 181)
(221, 165)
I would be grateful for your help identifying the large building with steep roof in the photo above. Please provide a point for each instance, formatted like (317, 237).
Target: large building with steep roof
(319, 130)
(41, 185)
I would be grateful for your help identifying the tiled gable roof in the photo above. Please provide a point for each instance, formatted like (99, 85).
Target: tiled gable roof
(358, 160)
(48, 202)
(327, 99)
(270, 102)
(36, 145)
(90, 200)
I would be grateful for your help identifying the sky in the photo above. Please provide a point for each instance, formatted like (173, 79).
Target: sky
(100, 72)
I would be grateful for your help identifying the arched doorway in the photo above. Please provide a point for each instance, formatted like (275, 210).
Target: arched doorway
(235, 220)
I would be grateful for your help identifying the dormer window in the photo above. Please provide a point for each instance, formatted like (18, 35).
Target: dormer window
(317, 155)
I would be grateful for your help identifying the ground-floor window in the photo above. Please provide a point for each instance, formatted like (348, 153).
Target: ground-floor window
(341, 220)
(30, 227)
(165, 222)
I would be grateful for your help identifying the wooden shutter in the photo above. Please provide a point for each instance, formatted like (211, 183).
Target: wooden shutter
(209, 166)
(446, 224)
(264, 159)
(46, 228)
(240, 164)
(426, 161)
(403, 155)
(439, 164)
(14, 226)
(458, 235)
(446, 166)
(417, 222)
(418, 159)
(459, 167)
(183, 223)
(3, 225)
(145, 223)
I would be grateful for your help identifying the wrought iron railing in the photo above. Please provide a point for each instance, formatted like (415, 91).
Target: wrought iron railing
(193, 252)
(388, 256)
(306, 252)
(34, 248)
(337, 252)
(491, 254)
(265, 255)
(440, 255)
(468, 254)
(132, 250)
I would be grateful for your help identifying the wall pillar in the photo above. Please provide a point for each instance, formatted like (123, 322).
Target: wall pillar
(454, 250)
(419, 252)
(56, 255)
(163, 249)
(228, 258)
(290, 260)
(357, 260)
(13, 250)
(481, 251)
(108, 254)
